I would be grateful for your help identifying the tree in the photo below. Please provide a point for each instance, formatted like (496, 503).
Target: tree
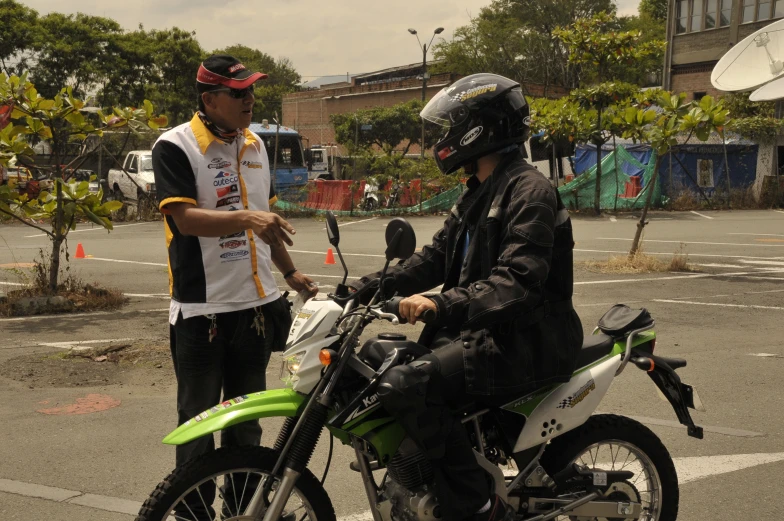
(18, 27)
(388, 128)
(176, 56)
(71, 50)
(282, 79)
(698, 119)
(596, 42)
(655, 9)
(57, 121)
(514, 38)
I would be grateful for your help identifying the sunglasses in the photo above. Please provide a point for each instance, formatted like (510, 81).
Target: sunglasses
(236, 93)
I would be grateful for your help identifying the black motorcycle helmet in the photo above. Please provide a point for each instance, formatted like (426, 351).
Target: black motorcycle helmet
(483, 113)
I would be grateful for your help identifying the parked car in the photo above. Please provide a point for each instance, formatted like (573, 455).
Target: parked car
(138, 165)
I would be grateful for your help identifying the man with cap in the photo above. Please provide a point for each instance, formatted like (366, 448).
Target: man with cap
(213, 183)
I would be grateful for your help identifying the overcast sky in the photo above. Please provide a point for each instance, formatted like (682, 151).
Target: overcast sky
(320, 38)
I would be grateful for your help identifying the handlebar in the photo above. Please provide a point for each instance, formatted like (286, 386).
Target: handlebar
(393, 306)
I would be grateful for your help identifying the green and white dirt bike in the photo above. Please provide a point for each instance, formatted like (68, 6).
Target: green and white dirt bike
(561, 461)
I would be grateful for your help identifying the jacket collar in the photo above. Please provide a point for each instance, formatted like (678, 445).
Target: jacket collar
(205, 138)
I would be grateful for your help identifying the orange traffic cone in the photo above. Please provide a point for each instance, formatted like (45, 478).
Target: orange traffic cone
(330, 257)
(79, 251)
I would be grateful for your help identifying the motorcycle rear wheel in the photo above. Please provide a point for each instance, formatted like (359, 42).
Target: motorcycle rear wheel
(609, 442)
(214, 472)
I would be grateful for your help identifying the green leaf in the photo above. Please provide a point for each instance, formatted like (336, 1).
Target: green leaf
(111, 206)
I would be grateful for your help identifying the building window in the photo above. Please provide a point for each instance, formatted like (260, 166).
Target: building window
(759, 10)
(710, 14)
(778, 9)
(763, 11)
(726, 12)
(748, 11)
(683, 16)
(696, 16)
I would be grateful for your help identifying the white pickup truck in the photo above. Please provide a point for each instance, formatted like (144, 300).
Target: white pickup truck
(138, 165)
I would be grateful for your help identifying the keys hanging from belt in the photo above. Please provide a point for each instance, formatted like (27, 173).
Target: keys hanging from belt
(258, 323)
(213, 331)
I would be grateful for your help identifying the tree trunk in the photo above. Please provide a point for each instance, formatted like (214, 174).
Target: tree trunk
(727, 171)
(642, 223)
(57, 240)
(598, 195)
(615, 158)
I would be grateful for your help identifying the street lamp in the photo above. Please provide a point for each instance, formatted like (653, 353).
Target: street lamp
(425, 48)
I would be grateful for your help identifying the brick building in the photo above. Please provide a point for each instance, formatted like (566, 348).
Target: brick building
(699, 32)
(308, 111)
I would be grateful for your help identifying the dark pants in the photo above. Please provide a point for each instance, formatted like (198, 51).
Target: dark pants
(234, 363)
(423, 396)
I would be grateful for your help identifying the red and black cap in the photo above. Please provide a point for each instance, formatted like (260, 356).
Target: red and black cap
(227, 71)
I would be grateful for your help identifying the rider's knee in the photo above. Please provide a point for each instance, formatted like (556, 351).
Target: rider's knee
(405, 386)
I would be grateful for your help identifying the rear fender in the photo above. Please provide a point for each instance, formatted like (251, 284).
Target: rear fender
(265, 404)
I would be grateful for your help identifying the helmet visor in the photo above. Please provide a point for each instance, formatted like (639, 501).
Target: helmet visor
(445, 110)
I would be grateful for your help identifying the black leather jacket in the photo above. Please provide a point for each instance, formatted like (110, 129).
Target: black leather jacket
(509, 299)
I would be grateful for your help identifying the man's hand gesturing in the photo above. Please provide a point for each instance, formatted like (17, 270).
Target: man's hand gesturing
(271, 228)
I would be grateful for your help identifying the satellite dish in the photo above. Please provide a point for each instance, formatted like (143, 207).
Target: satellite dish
(772, 91)
(753, 62)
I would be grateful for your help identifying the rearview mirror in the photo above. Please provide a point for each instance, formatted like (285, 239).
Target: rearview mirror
(333, 232)
(401, 239)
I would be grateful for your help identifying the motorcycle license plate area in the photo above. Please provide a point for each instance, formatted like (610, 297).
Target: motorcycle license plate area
(690, 397)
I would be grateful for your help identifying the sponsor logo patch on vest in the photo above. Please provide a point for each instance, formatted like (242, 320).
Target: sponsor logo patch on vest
(252, 164)
(224, 179)
(234, 254)
(233, 244)
(226, 190)
(227, 201)
(219, 163)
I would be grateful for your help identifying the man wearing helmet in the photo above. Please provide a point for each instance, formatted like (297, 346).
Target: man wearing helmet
(505, 324)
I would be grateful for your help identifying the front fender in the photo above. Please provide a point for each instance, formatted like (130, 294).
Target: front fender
(265, 404)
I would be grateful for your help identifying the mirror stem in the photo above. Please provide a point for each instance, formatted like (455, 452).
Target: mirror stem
(345, 269)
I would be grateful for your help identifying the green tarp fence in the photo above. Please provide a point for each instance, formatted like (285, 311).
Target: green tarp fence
(580, 192)
(442, 202)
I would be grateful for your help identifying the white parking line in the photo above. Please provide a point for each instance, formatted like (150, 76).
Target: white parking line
(11, 284)
(716, 304)
(97, 229)
(127, 261)
(689, 469)
(762, 234)
(690, 254)
(691, 242)
(701, 215)
(76, 344)
(769, 263)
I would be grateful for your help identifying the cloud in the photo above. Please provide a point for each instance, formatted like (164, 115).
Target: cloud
(320, 38)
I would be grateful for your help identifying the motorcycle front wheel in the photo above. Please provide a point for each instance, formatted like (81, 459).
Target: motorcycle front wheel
(222, 482)
(607, 442)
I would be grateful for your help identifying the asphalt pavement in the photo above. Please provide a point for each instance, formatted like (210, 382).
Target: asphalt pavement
(726, 320)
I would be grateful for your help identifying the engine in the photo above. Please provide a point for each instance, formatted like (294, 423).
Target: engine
(409, 488)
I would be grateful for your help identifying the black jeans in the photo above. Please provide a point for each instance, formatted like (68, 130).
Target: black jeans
(424, 397)
(234, 363)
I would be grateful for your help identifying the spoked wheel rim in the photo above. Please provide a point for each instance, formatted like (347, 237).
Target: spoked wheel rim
(618, 455)
(233, 490)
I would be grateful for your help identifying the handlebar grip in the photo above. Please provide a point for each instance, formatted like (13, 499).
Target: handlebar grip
(428, 316)
(393, 306)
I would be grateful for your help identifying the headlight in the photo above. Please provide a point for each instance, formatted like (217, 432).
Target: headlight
(289, 368)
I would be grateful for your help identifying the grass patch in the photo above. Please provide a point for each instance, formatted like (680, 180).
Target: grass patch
(641, 262)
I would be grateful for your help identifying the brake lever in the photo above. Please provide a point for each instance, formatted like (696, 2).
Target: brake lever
(386, 316)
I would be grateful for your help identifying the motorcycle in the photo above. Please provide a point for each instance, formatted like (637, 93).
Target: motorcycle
(548, 454)
(369, 196)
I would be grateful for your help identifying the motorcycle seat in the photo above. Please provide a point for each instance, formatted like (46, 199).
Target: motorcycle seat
(620, 320)
(594, 348)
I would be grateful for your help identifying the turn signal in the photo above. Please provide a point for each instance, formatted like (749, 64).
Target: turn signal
(326, 356)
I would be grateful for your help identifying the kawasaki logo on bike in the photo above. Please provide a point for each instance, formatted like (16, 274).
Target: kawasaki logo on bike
(579, 396)
(371, 402)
